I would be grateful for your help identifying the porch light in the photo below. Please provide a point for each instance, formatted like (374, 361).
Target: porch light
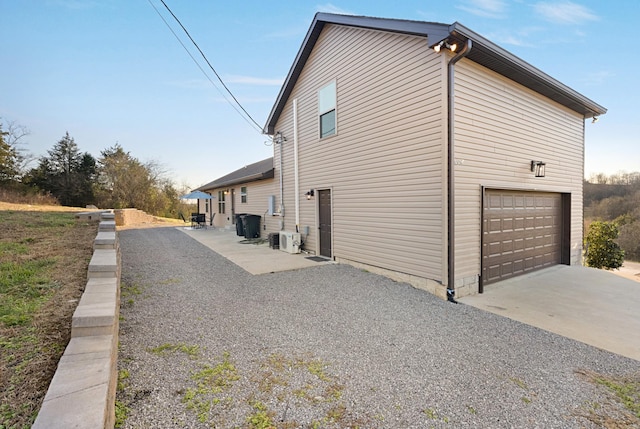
(310, 193)
(538, 168)
(445, 44)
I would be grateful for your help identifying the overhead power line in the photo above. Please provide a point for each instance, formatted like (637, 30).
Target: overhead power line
(247, 117)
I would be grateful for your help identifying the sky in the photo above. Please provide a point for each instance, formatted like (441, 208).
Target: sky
(112, 72)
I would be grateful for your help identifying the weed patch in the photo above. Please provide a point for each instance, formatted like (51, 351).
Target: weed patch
(166, 349)
(283, 393)
(622, 409)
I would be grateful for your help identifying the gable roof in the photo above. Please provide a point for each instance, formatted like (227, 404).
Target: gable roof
(257, 171)
(484, 52)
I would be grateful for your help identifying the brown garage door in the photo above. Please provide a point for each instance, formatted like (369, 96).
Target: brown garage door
(522, 232)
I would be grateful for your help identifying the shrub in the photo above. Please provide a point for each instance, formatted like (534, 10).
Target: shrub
(601, 249)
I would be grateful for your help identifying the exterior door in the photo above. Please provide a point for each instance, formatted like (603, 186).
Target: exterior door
(232, 194)
(522, 232)
(324, 219)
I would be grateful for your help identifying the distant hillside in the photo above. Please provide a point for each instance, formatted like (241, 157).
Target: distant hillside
(616, 198)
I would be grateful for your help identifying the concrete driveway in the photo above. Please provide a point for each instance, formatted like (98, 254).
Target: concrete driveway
(593, 306)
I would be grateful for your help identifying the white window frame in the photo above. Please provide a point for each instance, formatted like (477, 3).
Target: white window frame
(243, 194)
(327, 103)
(221, 202)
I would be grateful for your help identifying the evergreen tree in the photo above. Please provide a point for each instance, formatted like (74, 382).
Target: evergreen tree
(66, 173)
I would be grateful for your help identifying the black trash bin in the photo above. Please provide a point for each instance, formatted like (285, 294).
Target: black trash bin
(240, 224)
(251, 226)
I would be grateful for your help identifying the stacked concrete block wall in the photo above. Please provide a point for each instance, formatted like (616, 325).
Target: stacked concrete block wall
(82, 391)
(132, 216)
(91, 215)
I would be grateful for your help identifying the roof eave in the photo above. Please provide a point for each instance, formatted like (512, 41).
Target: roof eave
(253, 178)
(492, 56)
(484, 52)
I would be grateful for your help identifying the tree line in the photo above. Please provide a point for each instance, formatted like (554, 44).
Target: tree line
(615, 200)
(115, 179)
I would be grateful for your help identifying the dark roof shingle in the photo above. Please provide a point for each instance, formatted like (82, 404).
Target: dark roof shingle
(257, 171)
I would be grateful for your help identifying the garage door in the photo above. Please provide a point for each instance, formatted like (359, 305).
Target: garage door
(522, 232)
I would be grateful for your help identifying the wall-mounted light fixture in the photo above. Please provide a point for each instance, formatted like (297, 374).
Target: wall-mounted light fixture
(279, 138)
(445, 44)
(537, 167)
(310, 193)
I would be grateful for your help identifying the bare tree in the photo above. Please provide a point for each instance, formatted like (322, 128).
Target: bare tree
(16, 137)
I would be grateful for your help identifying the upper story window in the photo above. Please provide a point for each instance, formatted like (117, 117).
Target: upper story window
(327, 109)
(243, 194)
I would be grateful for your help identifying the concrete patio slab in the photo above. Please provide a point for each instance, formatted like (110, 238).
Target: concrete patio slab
(254, 258)
(593, 306)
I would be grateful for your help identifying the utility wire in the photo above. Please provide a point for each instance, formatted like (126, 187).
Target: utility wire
(201, 69)
(250, 118)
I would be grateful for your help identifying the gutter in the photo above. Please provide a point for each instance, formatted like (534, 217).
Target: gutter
(451, 258)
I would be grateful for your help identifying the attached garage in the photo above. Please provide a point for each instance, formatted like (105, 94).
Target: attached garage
(522, 231)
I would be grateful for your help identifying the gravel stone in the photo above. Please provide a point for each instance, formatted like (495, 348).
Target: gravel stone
(332, 346)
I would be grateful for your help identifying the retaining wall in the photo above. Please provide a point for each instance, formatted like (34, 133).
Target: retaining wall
(82, 391)
(132, 216)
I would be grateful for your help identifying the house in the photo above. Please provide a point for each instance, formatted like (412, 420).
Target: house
(425, 152)
(247, 190)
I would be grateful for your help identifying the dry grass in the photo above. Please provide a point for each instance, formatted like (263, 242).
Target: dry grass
(34, 336)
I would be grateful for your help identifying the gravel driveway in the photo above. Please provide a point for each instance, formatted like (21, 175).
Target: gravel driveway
(205, 344)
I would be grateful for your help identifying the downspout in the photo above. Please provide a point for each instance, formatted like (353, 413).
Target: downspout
(296, 184)
(280, 141)
(451, 291)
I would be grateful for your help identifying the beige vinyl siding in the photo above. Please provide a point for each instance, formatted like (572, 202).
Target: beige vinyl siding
(257, 203)
(500, 127)
(384, 165)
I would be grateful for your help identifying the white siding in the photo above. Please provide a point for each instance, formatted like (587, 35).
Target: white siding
(500, 127)
(384, 165)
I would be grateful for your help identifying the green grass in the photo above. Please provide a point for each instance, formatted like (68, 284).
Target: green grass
(261, 418)
(24, 287)
(122, 412)
(167, 348)
(627, 391)
(211, 383)
(43, 267)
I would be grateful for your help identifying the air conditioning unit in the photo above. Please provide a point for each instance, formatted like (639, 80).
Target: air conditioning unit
(290, 242)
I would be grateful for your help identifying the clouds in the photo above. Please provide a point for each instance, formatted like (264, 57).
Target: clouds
(331, 8)
(596, 78)
(564, 12)
(485, 8)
